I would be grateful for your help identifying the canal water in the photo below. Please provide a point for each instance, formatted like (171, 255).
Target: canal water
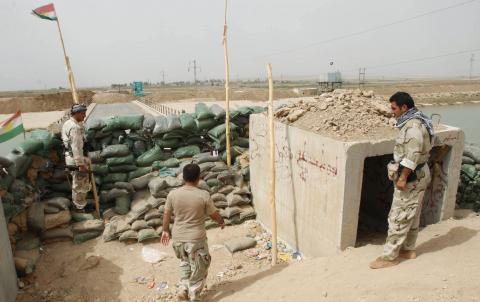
(466, 116)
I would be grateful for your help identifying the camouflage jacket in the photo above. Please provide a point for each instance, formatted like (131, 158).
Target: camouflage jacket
(413, 145)
(73, 137)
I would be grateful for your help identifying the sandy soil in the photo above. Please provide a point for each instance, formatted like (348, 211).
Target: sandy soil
(447, 269)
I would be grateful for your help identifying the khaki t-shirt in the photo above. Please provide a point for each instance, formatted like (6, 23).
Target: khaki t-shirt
(190, 205)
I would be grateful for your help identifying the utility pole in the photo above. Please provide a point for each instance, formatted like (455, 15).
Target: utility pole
(193, 65)
(472, 60)
(361, 77)
(163, 76)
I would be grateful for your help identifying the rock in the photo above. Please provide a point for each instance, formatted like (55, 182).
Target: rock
(89, 263)
(295, 115)
(368, 94)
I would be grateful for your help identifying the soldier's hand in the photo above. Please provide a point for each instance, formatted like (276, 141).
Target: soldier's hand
(83, 168)
(402, 184)
(165, 238)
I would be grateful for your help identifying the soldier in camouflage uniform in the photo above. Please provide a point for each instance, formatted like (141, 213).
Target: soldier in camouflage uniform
(73, 137)
(190, 206)
(411, 175)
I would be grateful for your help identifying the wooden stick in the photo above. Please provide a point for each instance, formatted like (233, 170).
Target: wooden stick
(94, 189)
(71, 79)
(227, 99)
(272, 165)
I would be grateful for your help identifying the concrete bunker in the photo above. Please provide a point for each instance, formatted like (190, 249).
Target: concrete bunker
(320, 179)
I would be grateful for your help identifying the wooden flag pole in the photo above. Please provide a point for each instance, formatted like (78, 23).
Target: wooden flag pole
(71, 79)
(272, 165)
(227, 99)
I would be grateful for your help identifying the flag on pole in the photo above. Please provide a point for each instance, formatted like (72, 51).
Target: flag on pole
(46, 12)
(11, 127)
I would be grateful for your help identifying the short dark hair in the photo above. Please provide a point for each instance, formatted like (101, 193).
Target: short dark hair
(402, 98)
(191, 173)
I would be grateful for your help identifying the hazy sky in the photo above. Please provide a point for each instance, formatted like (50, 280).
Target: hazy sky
(118, 41)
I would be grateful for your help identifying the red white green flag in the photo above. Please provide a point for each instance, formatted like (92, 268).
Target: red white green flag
(11, 127)
(46, 12)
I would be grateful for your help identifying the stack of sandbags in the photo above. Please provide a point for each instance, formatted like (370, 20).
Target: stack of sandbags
(468, 194)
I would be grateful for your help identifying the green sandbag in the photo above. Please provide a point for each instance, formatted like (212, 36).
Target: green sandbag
(218, 112)
(139, 147)
(100, 169)
(123, 168)
(469, 170)
(169, 163)
(5, 182)
(161, 125)
(9, 209)
(101, 134)
(115, 151)
(241, 141)
(147, 234)
(205, 125)
(94, 124)
(150, 156)
(245, 110)
(29, 146)
(178, 133)
(258, 109)
(187, 151)
(28, 242)
(214, 183)
(45, 137)
(124, 122)
(164, 172)
(81, 238)
(21, 163)
(96, 157)
(114, 177)
(5, 162)
(202, 112)
(220, 130)
(107, 186)
(139, 172)
(169, 143)
(77, 217)
(194, 140)
(106, 141)
(122, 205)
(187, 122)
(124, 160)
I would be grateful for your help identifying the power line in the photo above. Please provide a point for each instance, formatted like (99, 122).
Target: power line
(361, 32)
(472, 60)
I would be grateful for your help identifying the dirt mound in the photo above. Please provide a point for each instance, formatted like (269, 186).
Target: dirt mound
(342, 114)
(43, 102)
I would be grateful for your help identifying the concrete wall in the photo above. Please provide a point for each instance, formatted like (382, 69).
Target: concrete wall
(8, 276)
(319, 183)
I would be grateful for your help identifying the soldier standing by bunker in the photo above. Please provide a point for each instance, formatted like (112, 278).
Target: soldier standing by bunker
(73, 137)
(411, 175)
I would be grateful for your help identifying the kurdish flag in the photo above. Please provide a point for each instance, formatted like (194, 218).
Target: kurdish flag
(46, 12)
(11, 127)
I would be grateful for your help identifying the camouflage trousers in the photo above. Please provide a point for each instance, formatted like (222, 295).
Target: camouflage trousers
(404, 216)
(194, 263)
(80, 188)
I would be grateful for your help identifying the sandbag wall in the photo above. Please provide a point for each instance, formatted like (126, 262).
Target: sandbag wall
(468, 195)
(135, 155)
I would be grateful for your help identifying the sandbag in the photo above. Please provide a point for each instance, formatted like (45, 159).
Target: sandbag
(106, 141)
(81, 216)
(152, 214)
(169, 163)
(220, 130)
(130, 234)
(187, 122)
(123, 168)
(114, 177)
(146, 234)
(21, 163)
(100, 169)
(472, 151)
(204, 158)
(109, 232)
(154, 222)
(29, 146)
(99, 134)
(469, 170)
(467, 160)
(5, 182)
(115, 151)
(177, 133)
(141, 182)
(45, 137)
(214, 183)
(95, 225)
(96, 157)
(218, 197)
(83, 237)
(122, 204)
(149, 122)
(164, 172)
(139, 147)
(247, 213)
(239, 244)
(57, 233)
(126, 186)
(5, 162)
(205, 125)
(206, 166)
(150, 156)
(139, 172)
(36, 217)
(187, 151)
(139, 225)
(202, 111)
(241, 141)
(51, 210)
(156, 185)
(218, 112)
(123, 160)
(55, 220)
(173, 123)
(230, 212)
(168, 143)
(235, 200)
(28, 242)
(124, 122)
(219, 167)
(115, 193)
(203, 185)
(94, 124)
(226, 176)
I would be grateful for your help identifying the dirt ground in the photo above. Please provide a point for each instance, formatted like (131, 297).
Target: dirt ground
(431, 92)
(447, 269)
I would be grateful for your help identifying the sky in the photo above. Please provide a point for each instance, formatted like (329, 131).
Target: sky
(120, 41)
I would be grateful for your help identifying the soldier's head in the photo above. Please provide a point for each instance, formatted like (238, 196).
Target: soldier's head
(191, 174)
(400, 103)
(78, 112)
